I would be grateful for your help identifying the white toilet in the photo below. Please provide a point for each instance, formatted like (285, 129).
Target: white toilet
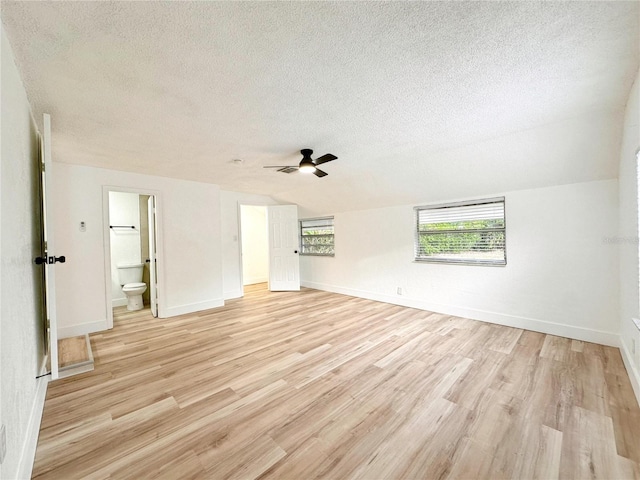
(130, 278)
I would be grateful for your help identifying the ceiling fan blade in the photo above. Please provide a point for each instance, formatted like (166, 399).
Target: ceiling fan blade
(288, 169)
(280, 166)
(324, 159)
(320, 173)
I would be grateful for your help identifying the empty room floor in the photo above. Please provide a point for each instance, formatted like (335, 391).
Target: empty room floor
(311, 384)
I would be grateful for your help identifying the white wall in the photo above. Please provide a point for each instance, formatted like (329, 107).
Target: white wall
(255, 245)
(21, 329)
(561, 276)
(230, 218)
(124, 210)
(628, 237)
(189, 266)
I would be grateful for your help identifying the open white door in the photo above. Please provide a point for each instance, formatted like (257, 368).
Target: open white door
(153, 272)
(49, 259)
(284, 263)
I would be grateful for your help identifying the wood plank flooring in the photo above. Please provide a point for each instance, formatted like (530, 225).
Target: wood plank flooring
(310, 384)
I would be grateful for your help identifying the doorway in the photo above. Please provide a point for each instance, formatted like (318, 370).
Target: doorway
(131, 250)
(269, 246)
(254, 245)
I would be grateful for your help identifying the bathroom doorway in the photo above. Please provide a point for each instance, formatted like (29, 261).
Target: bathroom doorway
(131, 250)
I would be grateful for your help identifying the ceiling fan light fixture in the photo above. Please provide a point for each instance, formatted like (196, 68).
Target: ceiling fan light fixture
(306, 167)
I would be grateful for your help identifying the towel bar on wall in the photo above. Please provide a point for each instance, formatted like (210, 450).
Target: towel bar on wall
(122, 226)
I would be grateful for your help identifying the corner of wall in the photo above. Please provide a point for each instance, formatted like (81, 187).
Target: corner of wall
(632, 371)
(629, 285)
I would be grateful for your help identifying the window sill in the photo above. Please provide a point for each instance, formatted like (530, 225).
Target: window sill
(461, 262)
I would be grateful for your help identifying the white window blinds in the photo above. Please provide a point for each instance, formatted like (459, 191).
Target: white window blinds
(466, 232)
(317, 236)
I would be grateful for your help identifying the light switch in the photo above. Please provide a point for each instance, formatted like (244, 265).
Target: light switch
(83, 227)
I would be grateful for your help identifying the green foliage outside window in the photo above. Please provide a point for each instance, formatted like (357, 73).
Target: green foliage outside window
(317, 237)
(453, 239)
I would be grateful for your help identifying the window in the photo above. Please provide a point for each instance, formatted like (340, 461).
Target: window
(316, 236)
(466, 232)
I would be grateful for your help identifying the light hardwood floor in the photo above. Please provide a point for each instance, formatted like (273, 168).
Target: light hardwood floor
(318, 385)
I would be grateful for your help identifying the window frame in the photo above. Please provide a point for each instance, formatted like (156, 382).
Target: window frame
(464, 261)
(333, 235)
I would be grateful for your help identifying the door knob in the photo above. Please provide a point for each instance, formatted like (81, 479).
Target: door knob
(50, 260)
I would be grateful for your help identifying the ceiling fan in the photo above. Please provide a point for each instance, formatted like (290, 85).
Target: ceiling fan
(307, 164)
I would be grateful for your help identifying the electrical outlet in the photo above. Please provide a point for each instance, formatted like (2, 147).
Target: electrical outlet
(399, 290)
(3, 443)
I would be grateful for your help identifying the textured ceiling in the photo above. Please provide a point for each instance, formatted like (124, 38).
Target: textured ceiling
(420, 101)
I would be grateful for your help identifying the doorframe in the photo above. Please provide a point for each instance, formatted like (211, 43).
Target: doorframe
(106, 189)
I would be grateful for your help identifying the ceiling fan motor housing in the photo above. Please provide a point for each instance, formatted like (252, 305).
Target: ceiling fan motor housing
(306, 157)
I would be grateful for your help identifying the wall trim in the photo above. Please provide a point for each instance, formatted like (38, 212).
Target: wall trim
(28, 454)
(190, 308)
(235, 293)
(542, 326)
(632, 371)
(82, 329)
(118, 302)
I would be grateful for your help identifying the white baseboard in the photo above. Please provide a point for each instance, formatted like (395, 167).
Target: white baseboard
(118, 302)
(634, 374)
(231, 294)
(28, 454)
(542, 326)
(82, 329)
(190, 308)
